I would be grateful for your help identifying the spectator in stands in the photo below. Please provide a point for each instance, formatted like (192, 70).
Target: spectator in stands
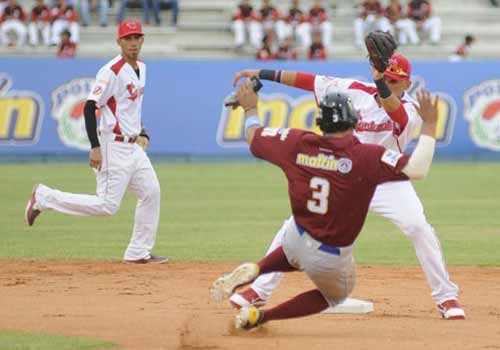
(64, 17)
(317, 22)
(286, 51)
(402, 27)
(12, 21)
(420, 11)
(39, 24)
(174, 6)
(265, 53)
(296, 25)
(317, 50)
(463, 50)
(270, 19)
(67, 48)
(370, 18)
(244, 19)
(103, 11)
(155, 7)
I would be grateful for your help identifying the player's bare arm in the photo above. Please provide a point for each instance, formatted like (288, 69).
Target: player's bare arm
(421, 159)
(247, 99)
(284, 77)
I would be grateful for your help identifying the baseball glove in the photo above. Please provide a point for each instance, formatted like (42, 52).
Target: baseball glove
(380, 46)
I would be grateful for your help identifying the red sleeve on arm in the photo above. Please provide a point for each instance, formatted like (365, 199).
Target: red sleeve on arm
(305, 81)
(399, 116)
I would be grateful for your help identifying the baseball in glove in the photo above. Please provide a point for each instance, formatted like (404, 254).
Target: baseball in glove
(380, 46)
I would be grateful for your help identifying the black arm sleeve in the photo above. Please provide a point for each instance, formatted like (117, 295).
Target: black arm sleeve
(91, 123)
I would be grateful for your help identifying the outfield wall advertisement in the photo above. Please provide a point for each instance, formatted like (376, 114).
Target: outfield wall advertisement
(41, 105)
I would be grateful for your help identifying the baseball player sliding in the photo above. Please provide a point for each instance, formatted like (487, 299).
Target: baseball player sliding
(331, 180)
(117, 151)
(387, 116)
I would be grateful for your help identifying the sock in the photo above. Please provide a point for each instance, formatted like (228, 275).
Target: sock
(305, 304)
(275, 261)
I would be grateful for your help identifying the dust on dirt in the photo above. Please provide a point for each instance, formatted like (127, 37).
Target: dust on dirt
(149, 307)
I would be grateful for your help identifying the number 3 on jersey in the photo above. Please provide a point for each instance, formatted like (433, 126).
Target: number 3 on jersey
(321, 191)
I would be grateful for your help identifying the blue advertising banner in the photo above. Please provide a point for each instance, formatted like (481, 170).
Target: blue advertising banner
(41, 105)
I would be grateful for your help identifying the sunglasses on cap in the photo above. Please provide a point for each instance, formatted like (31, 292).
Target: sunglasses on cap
(396, 69)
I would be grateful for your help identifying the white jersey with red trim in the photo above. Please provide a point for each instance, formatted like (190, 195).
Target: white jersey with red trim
(118, 92)
(374, 124)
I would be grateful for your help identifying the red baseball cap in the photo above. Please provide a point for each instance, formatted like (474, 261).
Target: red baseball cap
(399, 68)
(129, 27)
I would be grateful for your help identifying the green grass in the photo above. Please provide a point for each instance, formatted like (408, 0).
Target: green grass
(26, 341)
(231, 212)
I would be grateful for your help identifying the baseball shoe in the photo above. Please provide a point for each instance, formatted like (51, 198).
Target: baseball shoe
(246, 298)
(224, 286)
(152, 259)
(248, 318)
(451, 310)
(31, 213)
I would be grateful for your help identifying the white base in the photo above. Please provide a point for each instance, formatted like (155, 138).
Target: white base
(351, 306)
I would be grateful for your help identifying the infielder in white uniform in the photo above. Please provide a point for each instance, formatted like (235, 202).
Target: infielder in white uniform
(118, 155)
(390, 125)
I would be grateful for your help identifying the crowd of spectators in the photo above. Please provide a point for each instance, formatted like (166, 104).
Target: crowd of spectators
(49, 24)
(57, 23)
(276, 36)
(310, 30)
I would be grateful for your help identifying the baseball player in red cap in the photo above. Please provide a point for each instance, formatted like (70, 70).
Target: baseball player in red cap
(387, 116)
(117, 151)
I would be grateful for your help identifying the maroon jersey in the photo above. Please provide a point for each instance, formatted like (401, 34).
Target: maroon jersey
(67, 50)
(394, 13)
(40, 14)
(264, 54)
(371, 8)
(244, 13)
(295, 16)
(317, 15)
(317, 52)
(67, 13)
(419, 10)
(13, 12)
(286, 53)
(331, 181)
(269, 14)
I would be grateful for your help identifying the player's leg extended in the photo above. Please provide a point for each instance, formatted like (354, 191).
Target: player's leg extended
(264, 285)
(399, 202)
(144, 184)
(112, 182)
(333, 274)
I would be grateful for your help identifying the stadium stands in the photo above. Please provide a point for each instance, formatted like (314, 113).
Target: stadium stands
(204, 31)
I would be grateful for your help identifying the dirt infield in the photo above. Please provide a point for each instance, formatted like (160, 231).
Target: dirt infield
(167, 307)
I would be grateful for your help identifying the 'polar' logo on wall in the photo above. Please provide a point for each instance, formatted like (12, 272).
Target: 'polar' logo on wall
(68, 101)
(482, 111)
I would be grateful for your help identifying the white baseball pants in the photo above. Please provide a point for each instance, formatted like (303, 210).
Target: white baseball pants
(124, 166)
(60, 25)
(333, 273)
(254, 28)
(362, 26)
(433, 27)
(16, 26)
(35, 28)
(305, 31)
(398, 202)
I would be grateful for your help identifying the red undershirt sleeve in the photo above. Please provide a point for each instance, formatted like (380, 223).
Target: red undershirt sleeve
(399, 116)
(305, 81)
